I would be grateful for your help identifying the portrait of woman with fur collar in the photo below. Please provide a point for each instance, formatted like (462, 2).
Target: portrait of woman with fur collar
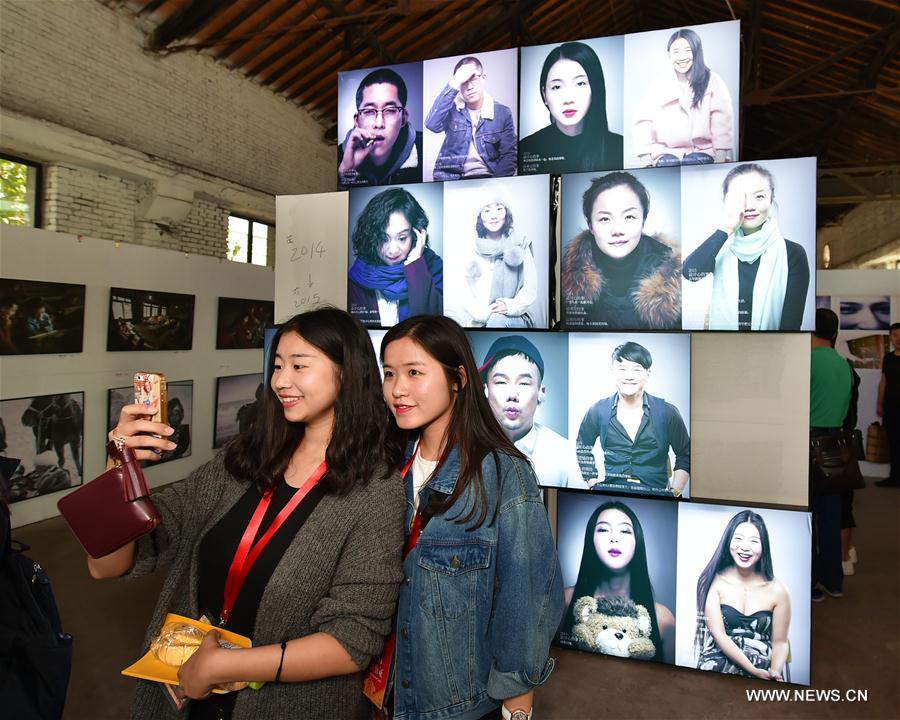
(617, 273)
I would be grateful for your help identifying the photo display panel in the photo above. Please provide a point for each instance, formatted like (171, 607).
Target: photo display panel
(743, 582)
(630, 412)
(45, 433)
(618, 561)
(237, 399)
(380, 126)
(470, 108)
(497, 252)
(525, 375)
(395, 265)
(621, 250)
(749, 245)
(571, 106)
(40, 317)
(149, 320)
(682, 94)
(179, 409)
(241, 323)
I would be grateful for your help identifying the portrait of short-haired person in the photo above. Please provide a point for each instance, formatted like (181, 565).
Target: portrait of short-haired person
(513, 376)
(381, 148)
(479, 132)
(396, 274)
(636, 431)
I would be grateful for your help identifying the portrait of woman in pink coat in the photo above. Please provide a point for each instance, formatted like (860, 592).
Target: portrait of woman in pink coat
(686, 116)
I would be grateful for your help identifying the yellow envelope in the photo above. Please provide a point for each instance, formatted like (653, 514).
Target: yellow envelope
(150, 668)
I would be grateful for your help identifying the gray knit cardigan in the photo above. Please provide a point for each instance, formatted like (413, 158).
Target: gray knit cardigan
(340, 575)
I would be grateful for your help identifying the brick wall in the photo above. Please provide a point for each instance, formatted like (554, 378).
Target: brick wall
(112, 122)
(866, 235)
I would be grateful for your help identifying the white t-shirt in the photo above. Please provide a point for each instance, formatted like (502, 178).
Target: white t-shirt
(421, 472)
(388, 310)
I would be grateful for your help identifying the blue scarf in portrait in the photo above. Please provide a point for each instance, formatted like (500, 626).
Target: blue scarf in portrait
(390, 280)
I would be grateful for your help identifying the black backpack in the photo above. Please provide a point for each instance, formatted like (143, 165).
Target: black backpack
(35, 654)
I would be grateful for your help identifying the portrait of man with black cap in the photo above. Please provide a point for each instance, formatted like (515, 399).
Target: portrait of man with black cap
(513, 375)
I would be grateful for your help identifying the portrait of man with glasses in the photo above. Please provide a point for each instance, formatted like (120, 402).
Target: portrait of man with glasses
(381, 148)
(479, 132)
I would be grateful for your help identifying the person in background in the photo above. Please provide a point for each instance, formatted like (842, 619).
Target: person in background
(889, 406)
(479, 132)
(685, 117)
(830, 387)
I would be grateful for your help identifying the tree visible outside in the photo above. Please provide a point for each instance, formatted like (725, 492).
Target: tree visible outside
(16, 194)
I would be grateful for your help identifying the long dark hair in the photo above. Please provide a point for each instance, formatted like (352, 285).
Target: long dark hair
(592, 572)
(698, 75)
(368, 235)
(472, 424)
(595, 119)
(356, 451)
(722, 560)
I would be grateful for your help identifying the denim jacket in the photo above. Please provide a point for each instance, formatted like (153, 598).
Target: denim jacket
(495, 135)
(478, 608)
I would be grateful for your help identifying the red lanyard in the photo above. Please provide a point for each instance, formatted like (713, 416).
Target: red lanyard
(416, 529)
(247, 553)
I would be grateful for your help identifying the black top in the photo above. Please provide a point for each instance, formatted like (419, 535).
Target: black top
(217, 550)
(890, 368)
(551, 151)
(702, 261)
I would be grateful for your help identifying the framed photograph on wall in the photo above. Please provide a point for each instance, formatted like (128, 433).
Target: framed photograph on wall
(236, 405)
(180, 410)
(40, 317)
(149, 320)
(241, 323)
(46, 433)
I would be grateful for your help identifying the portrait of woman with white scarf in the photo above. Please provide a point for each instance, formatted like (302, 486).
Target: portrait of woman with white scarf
(760, 278)
(496, 278)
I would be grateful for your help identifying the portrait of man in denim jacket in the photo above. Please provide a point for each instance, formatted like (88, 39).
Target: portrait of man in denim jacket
(479, 133)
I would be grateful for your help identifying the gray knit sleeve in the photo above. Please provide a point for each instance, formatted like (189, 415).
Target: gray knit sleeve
(359, 607)
(178, 505)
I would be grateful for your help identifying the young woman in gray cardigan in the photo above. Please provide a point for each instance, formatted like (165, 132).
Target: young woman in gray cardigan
(319, 599)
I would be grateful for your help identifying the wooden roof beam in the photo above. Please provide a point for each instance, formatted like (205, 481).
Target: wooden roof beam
(182, 23)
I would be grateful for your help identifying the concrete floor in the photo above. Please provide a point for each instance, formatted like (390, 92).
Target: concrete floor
(855, 642)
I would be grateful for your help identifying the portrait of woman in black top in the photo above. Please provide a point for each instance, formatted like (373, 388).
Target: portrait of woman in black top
(760, 278)
(578, 138)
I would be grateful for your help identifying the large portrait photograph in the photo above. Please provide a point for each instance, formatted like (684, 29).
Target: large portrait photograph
(241, 323)
(749, 244)
(395, 265)
(682, 94)
(380, 126)
(621, 250)
(40, 317)
(45, 433)
(617, 556)
(497, 253)
(525, 376)
(237, 399)
(149, 320)
(630, 412)
(744, 591)
(179, 411)
(471, 106)
(570, 114)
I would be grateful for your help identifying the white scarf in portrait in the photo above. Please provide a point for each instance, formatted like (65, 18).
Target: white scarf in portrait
(768, 246)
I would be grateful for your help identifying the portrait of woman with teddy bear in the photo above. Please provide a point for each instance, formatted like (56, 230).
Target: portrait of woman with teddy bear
(612, 607)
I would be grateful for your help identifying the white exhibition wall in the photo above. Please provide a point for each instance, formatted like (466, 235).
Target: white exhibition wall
(32, 254)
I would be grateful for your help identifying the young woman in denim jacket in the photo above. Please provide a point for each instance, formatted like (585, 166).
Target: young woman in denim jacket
(482, 595)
